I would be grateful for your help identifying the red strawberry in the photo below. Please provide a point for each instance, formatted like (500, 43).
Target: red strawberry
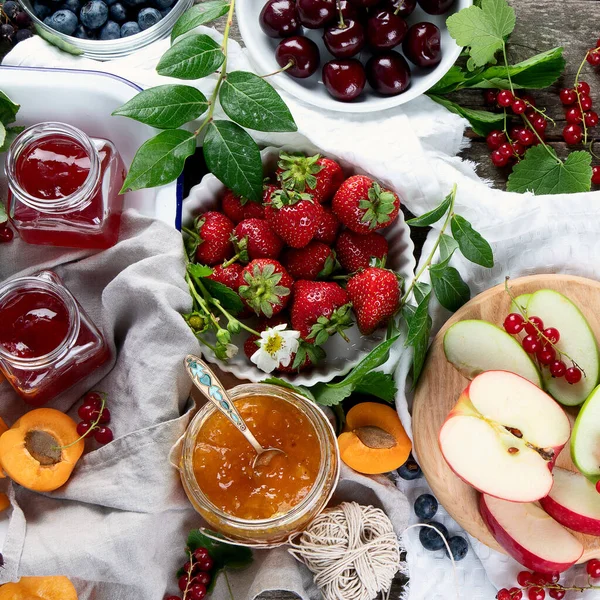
(229, 275)
(213, 238)
(311, 262)
(314, 175)
(257, 240)
(328, 228)
(266, 286)
(294, 217)
(319, 310)
(363, 206)
(354, 251)
(238, 208)
(375, 296)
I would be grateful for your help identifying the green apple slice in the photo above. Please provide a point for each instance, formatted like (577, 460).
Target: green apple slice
(576, 340)
(520, 302)
(476, 346)
(585, 439)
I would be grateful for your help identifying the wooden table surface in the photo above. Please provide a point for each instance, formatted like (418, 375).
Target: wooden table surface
(541, 25)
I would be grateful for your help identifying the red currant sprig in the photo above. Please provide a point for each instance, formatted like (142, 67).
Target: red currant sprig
(94, 418)
(197, 577)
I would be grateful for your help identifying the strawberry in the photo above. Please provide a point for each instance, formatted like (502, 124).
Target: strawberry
(328, 228)
(229, 275)
(319, 310)
(238, 208)
(265, 286)
(312, 262)
(354, 251)
(211, 244)
(294, 217)
(320, 177)
(363, 206)
(255, 239)
(375, 296)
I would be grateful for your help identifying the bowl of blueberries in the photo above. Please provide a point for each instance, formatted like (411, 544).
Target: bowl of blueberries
(105, 29)
(351, 55)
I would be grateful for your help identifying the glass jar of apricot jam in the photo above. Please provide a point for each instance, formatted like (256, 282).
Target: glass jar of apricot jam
(47, 341)
(63, 187)
(260, 506)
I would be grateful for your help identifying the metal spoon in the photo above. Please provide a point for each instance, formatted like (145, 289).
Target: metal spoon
(206, 381)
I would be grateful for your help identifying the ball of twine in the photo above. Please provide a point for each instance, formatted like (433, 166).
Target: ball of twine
(352, 551)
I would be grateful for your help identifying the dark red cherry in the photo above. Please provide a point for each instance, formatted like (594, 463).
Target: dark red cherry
(315, 14)
(344, 79)
(436, 7)
(301, 52)
(278, 18)
(344, 41)
(402, 8)
(388, 73)
(422, 45)
(385, 30)
(348, 10)
(365, 3)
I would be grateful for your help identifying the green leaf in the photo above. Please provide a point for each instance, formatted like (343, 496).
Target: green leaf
(482, 121)
(2, 134)
(234, 158)
(8, 109)
(252, 102)
(194, 57)
(378, 384)
(330, 396)
(3, 214)
(299, 389)
(160, 160)
(165, 106)
(541, 172)
(421, 290)
(433, 216)
(447, 247)
(229, 299)
(57, 41)
(419, 343)
(200, 14)
(455, 79)
(473, 246)
(450, 290)
(199, 271)
(482, 29)
(418, 321)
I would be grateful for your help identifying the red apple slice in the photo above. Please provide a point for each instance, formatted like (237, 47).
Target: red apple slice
(574, 502)
(503, 437)
(529, 535)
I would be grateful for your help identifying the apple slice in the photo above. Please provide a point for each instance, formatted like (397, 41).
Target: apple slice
(520, 302)
(477, 346)
(529, 535)
(503, 437)
(576, 340)
(585, 443)
(574, 502)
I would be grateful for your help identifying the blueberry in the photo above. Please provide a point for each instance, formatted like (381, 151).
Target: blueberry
(63, 21)
(166, 11)
(72, 5)
(82, 33)
(458, 546)
(162, 4)
(110, 31)
(110, 2)
(118, 12)
(430, 538)
(94, 14)
(7, 32)
(22, 35)
(11, 9)
(148, 17)
(134, 3)
(129, 28)
(41, 10)
(410, 470)
(425, 507)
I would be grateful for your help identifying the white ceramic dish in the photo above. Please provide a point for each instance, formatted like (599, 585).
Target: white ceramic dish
(341, 356)
(312, 91)
(86, 100)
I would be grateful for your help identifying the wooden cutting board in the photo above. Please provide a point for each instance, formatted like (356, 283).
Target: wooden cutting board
(441, 384)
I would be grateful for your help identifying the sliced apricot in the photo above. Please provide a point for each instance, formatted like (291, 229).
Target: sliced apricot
(373, 440)
(4, 502)
(36, 452)
(39, 588)
(3, 428)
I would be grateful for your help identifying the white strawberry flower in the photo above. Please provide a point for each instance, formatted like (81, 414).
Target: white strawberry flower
(276, 346)
(231, 350)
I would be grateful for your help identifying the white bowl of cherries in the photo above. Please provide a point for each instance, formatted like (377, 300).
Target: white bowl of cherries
(351, 55)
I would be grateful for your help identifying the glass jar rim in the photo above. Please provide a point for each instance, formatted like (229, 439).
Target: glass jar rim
(36, 282)
(73, 201)
(322, 427)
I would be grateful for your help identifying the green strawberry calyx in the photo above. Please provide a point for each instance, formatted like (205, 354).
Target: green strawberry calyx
(325, 327)
(262, 290)
(378, 207)
(315, 354)
(284, 197)
(298, 171)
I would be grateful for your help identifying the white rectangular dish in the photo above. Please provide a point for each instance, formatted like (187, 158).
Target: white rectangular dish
(86, 100)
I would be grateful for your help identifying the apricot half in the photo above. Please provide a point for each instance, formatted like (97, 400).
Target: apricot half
(373, 440)
(36, 452)
(39, 588)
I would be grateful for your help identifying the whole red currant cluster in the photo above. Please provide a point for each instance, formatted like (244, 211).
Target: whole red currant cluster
(537, 584)
(578, 110)
(194, 583)
(6, 233)
(542, 342)
(95, 418)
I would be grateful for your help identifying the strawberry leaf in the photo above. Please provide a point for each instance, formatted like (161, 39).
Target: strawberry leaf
(199, 271)
(329, 396)
(228, 299)
(471, 244)
(378, 384)
(303, 391)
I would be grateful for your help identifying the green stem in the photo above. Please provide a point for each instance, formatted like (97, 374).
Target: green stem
(512, 89)
(585, 132)
(228, 585)
(93, 426)
(289, 64)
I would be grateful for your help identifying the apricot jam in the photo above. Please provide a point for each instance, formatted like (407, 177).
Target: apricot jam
(223, 459)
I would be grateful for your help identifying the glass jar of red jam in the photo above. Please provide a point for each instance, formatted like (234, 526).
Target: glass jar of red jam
(47, 341)
(63, 187)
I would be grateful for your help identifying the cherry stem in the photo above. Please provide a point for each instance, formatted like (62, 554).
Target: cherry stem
(289, 64)
(342, 24)
(93, 426)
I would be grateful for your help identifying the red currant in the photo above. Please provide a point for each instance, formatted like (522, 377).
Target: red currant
(534, 326)
(515, 593)
(546, 355)
(526, 137)
(498, 159)
(598, 486)
(586, 102)
(583, 88)
(596, 175)
(591, 118)
(518, 148)
(558, 368)
(573, 115)
(172, 598)
(568, 96)
(104, 435)
(506, 150)
(503, 594)
(593, 568)
(573, 375)
(505, 98)
(87, 412)
(539, 123)
(518, 106)
(83, 428)
(188, 567)
(490, 97)
(6, 235)
(593, 58)
(539, 579)
(514, 323)
(203, 578)
(552, 578)
(495, 139)
(529, 99)
(557, 594)
(196, 592)
(531, 344)
(94, 399)
(552, 335)
(536, 593)
(523, 578)
(572, 134)
(105, 416)
(182, 583)
(206, 565)
(201, 554)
